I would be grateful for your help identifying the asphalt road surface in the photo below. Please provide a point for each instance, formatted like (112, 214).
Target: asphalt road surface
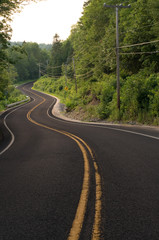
(63, 180)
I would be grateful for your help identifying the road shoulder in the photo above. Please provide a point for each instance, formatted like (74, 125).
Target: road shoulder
(59, 111)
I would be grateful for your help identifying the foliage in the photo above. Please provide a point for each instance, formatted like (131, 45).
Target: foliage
(93, 41)
(29, 60)
(60, 55)
(11, 95)
(7, 71)
(89, 57)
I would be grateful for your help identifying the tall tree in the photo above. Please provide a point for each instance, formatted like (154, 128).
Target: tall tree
(7, 8)
(29, 60)
(55, 66)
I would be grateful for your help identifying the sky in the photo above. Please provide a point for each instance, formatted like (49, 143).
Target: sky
(39, 22)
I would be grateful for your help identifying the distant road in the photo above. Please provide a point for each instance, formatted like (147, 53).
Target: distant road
(64, 180)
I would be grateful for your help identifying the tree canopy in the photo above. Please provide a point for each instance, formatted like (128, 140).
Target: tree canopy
(93, 51)
(87, 59)
(7, 8)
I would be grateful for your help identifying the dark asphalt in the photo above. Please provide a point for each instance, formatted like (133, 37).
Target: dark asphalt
(41, 177)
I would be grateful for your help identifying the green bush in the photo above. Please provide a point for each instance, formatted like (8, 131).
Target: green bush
(139, 96)
(106, 97)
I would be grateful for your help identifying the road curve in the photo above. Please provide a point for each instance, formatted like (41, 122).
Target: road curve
(64, 180)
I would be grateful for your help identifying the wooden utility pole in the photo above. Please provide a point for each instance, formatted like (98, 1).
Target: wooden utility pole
(39, 70)
(66, 74)
(117, 47)
(75, 74)
(117, 58)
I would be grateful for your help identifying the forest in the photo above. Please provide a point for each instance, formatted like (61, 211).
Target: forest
(17, 61)
(81, 70)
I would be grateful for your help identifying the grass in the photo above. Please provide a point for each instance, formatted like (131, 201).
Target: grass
(13, 95)
(98, 99)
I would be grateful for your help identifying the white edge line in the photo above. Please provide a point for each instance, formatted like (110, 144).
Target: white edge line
(132, 132)
(5, 124)
(91, 124)
(12, 135)
(107, 127)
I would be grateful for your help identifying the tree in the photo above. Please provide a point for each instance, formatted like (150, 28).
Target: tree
(28, 60)
(7, 8)
(55, 66)
(93, 38)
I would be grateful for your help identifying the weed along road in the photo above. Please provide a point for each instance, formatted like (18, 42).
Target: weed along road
(62, 180)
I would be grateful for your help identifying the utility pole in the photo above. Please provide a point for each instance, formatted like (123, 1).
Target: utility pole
(66, 74)
(39, 70)
(117, 47)
(75, 74)
(117, 58)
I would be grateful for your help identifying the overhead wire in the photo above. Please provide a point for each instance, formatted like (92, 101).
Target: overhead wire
(52, 76)
(55, 67)
(139, 44)
(139, 28)
(85, 74)
(139, 53)
(99, 46)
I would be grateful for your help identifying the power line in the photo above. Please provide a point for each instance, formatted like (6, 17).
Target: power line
(134, 29)
(139, 44)
(139, 53)
(88, 76)
(55, 67)
(50, 75)
(85, 74)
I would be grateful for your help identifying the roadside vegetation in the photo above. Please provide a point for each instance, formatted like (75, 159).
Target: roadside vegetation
(12, 95)
(25, 62)
(81, 70)
(98, 100)
(18, 63)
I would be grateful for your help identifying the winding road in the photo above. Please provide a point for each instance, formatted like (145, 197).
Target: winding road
(61, 180)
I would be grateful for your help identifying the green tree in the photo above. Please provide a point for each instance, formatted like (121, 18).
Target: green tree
(55, 66)
(92, 44)
(28, 60)
(7, 8)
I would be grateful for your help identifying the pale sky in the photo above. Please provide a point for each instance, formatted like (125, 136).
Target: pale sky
(38, 22)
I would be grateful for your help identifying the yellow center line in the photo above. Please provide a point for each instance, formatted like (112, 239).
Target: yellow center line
(98, 203)
(82, 205)
(98, 206)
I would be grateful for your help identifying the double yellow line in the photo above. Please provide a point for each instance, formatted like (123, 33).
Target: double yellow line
(83, 202)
